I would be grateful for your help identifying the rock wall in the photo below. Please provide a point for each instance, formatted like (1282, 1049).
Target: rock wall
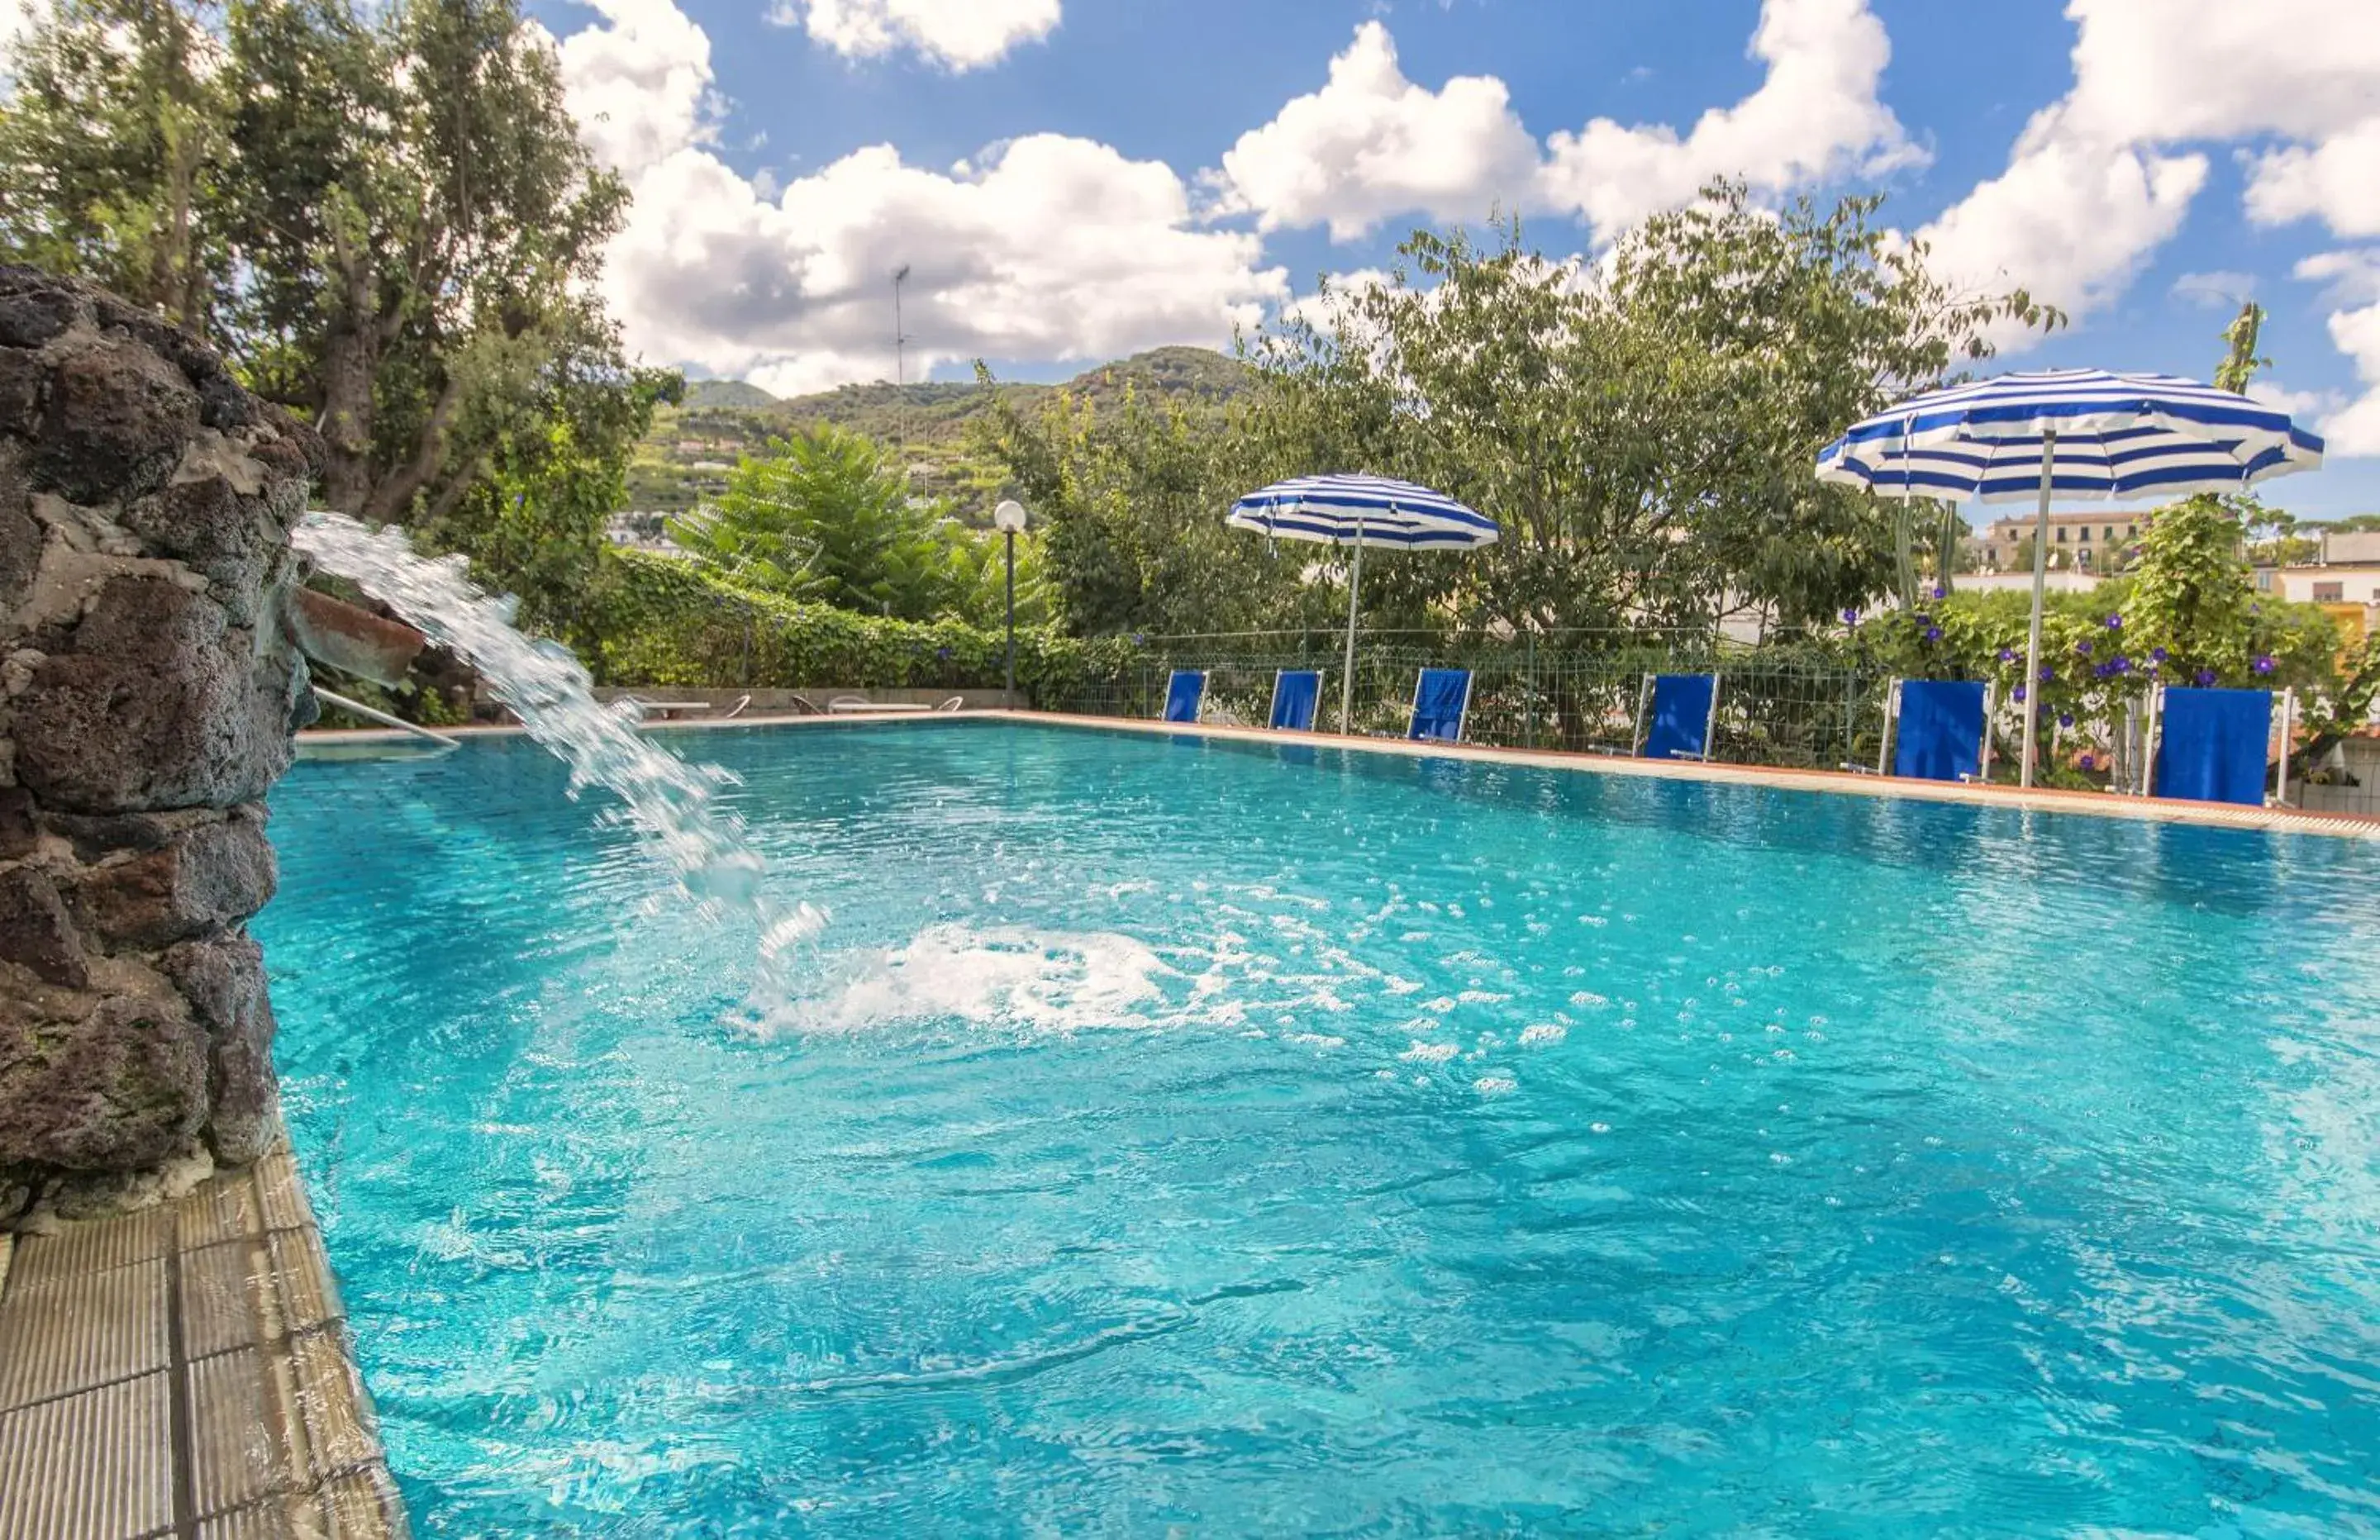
(148, 692)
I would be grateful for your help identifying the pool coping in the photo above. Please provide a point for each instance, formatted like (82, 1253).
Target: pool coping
(185, 1370)
(2106, 805)
(2040, 799)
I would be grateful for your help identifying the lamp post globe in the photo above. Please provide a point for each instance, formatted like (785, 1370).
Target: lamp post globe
(1009, 518)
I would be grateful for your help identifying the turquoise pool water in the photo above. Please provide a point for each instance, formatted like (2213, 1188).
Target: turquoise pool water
(1177, 1139)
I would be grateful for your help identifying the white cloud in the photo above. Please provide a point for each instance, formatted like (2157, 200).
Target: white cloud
(2071, 220)
(1372, 145)
(1336, 292)
(1816, 114)
(956, 34)
(2308, 407)
(2176, 70)
(2356, 429)
(1058, 249)
(2353, 277)
(2098, 181)
(2214, 290)
(2336, 181)
(640, 85)
(1047, 248)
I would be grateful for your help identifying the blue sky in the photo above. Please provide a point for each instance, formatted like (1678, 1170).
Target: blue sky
(1074, 179)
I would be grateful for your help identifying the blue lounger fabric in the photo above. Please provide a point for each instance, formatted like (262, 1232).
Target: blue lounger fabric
(2213, 745)
(1681, 717)
(1438, 702)
(1181, 693)
(1941, 733)
(1295, 695)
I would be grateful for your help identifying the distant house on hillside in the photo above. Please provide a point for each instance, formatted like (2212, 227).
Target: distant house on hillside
(2345, 571)
(2093, 541)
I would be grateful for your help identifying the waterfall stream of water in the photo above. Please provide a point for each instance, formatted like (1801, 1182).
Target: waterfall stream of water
(673, 804)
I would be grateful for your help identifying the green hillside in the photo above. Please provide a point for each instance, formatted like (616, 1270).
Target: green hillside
(727, 393)
(686, 456)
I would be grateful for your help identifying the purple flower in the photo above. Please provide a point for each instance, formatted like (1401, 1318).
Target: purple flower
(2103, 671)
(2065, 719)
(2082, 647)
(1933, 632)
(2019, 692)
(1850, 617)
(2157, 654)
(2008, 655)
(2205, 677)
(943, 653)
(1940, 591)
(2265, 665)
(2048, 674)
(1138, 639)
(2114, 623)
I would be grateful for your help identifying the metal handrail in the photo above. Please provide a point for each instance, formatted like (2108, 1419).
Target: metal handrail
(371, 714)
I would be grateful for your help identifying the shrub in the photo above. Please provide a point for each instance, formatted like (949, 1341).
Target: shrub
(661, 621)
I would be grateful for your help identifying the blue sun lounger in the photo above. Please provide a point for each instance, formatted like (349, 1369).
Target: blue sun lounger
(1297, 695)
(1676, 716)
(1181, 694)
(1938, 729)
(1441, 698)
(2213, 744)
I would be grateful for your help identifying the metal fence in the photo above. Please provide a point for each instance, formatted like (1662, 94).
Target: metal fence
(1790, 704)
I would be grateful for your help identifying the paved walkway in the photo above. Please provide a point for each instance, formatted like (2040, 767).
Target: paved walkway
(182, 1371)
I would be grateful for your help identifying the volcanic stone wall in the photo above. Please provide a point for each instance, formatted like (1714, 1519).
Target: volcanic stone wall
(148, 692)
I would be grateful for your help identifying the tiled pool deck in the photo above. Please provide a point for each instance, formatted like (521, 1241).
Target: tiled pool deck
(182, 1371)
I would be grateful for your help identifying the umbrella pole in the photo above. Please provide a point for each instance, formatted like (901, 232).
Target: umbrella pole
(1347, 675)
(2040, 582)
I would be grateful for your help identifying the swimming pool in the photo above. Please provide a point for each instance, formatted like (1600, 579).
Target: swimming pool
(1178, 1136)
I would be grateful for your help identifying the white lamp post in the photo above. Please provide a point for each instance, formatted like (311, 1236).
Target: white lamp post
(1009, 520)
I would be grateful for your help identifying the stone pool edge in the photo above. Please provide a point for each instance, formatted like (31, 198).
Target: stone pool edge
(185, 1370)
(2221, 815)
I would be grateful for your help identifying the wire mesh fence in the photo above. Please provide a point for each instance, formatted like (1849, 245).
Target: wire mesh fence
(1786, 704)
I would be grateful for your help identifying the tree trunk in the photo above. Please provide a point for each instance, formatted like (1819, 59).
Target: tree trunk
(388, 501)
(350, 362)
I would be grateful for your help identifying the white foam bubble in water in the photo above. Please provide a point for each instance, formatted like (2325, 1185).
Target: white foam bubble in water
(1495, 1084)
(1428, 1054)
(1543, 1034)
(1012, 975)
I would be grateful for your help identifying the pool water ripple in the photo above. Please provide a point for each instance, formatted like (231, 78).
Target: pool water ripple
(1776, 1163)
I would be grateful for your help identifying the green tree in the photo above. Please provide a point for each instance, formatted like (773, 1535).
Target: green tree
(976, 562)
(2191, 596)
(381, 214)
(1644, 434)
(112, 145)
(533, 522)
(1130, 503)
(823, 515)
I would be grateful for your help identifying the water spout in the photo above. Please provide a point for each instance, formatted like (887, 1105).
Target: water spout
(673, 804)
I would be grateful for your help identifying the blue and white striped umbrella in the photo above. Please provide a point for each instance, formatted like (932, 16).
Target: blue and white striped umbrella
(2083, 432)
(1361, 511)
(2109, 435)
(1366, 510)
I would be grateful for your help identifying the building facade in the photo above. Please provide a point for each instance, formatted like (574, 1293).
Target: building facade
(2078, 542)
